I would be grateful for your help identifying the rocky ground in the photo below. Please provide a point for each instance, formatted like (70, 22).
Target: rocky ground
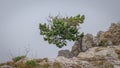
(110, 37)
(100, 51)
(96, 57)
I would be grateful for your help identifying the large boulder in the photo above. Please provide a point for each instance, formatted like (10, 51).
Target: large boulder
(75, 49)
(87, 42)
(65, 53)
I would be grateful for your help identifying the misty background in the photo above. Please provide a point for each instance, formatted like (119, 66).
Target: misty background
(19, 23)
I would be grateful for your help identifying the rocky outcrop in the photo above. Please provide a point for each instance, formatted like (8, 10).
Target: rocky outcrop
(101, 51)
(109, 37)
(96, 57)
(113, 34)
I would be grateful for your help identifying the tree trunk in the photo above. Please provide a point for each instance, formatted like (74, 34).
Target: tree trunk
(80, 44)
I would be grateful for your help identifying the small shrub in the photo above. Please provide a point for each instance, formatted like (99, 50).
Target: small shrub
(108, 65)
(31, 64)
(56, 65)
(46, 65)
(103, 42)
(15, 59)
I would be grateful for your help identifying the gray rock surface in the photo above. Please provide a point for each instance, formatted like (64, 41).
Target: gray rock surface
(65, 53)
(86, 43)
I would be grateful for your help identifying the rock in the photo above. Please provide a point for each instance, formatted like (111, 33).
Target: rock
(99, 51)
(64, 60)
(65, 53)
(95, 57)
(86, 44)
(75, 49)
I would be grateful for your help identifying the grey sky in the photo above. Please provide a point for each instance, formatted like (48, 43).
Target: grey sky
(19, 21)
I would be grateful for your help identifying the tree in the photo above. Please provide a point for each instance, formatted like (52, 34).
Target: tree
(61, 29)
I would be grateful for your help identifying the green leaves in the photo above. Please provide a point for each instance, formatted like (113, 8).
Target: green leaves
(61, 29)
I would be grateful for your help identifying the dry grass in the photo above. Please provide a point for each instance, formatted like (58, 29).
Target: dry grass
(56, 65)
(118, 53)
(98, 49)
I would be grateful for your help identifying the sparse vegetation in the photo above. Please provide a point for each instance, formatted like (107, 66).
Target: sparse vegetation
(15, 59)
(108, 65)
(31, 64)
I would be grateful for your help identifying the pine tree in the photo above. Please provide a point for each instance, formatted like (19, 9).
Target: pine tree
(61, 29)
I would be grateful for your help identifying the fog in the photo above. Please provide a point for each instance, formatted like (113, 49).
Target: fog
(19, 23)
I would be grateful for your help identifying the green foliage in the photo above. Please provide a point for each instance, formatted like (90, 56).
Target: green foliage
(59, 30)
(31, 64)
(15, 59)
